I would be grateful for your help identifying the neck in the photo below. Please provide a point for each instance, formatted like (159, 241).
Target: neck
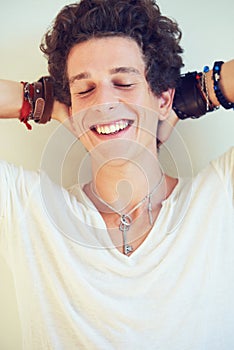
(124, 185)
(129, 199)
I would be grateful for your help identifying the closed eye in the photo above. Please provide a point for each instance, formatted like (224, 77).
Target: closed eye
(124, 85)
(86, 91)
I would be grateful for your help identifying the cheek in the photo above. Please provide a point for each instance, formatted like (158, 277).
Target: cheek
(86, 142)
(78, 104)
(146, 99)
(153, 100)
(75, 106)
(76, 119)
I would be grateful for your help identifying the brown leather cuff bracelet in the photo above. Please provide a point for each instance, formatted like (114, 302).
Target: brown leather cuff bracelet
(38, 99)
(189, 101)
(43, 100)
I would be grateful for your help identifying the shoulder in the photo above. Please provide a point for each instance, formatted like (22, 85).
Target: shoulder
(224, 167)
(218, 176)
(225, 162)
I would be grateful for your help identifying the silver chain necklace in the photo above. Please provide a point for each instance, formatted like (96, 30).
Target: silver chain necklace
(126, 219)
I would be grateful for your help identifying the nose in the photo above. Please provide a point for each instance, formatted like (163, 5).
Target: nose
(106, 99)
(105, 108)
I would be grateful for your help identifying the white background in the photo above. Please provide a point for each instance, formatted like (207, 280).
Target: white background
(208, 35)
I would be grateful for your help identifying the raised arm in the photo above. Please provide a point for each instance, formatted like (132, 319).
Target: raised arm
(192, 99)
(12, 92)
(197, 92)
(11, 98)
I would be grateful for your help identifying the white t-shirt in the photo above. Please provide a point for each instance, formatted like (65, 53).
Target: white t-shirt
(75, 291)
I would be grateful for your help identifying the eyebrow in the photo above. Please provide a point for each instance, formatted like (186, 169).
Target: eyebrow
(86, 75)
(79, 76)
(125, 70)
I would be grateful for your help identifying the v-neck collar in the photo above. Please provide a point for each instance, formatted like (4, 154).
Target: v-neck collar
(158, 232)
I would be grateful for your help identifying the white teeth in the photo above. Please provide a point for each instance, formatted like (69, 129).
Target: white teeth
(106, 130)
(112, 128)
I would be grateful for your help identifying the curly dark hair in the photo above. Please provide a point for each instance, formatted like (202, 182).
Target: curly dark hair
(157, 36)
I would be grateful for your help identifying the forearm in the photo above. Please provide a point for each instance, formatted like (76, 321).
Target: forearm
(11, 94)
(191, 92)
(11, 98)
(196, 92)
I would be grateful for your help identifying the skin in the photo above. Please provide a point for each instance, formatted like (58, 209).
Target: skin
(108, 86)
(135, 175)
(99, 77)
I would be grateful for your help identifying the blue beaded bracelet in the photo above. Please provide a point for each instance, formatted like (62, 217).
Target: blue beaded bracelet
(216, 77)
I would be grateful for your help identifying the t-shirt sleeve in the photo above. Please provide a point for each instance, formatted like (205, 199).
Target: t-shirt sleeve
(224, 166)
(8, 176)
(15, 186)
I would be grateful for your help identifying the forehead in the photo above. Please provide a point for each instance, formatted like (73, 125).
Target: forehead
(104, 55)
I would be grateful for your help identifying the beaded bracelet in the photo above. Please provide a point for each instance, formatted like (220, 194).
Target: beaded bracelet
(210, 107)
(216, 78)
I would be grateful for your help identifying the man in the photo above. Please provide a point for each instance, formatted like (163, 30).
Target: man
(134, 258)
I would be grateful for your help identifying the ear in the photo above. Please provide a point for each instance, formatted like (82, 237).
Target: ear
(165, 103)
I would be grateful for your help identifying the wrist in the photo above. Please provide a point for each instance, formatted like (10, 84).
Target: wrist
(210, 88)
(190, 99)
(37, 101)
(218, 89)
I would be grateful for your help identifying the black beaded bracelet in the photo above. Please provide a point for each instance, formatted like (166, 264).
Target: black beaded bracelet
(216, 78)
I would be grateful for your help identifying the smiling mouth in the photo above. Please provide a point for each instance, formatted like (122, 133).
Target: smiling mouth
(112, 128)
